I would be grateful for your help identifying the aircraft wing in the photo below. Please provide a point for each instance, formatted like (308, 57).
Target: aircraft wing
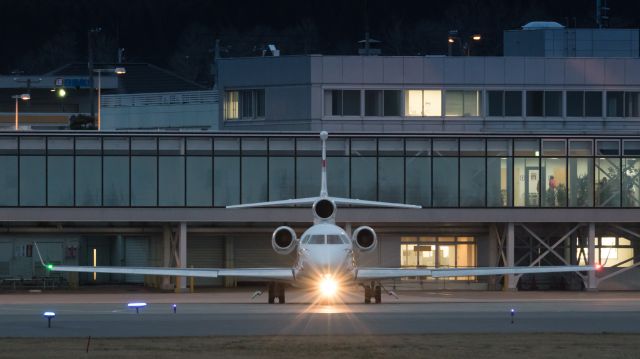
(364, 203)
(283, 203)
(255, 273)
(387, 273)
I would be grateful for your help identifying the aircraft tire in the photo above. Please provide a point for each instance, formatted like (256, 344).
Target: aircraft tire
(378, 294)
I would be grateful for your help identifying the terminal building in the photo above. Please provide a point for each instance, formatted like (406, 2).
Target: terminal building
(516, 160)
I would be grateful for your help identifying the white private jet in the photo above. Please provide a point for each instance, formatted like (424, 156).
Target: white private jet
(325, 254)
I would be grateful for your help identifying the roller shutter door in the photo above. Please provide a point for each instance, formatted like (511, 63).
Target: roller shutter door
(6, 253)
(136, 255)
(205, 252)
(258, 253)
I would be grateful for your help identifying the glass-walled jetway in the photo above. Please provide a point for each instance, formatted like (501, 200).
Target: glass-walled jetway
(215, 170)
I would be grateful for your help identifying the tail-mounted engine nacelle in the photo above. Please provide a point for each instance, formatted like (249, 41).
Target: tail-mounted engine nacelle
(324, 209)
(365, 238)
(284, 240)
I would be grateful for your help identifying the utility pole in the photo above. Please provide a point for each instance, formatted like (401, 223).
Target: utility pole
(90, 65)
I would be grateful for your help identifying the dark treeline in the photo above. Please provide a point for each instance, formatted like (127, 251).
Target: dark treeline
(39, 35)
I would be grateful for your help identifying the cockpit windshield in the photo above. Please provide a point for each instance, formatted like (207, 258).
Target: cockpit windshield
(324, 239)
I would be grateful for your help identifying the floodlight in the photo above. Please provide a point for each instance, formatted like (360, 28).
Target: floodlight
(476, 37)
(120, 70)
(61, 92)
(137, 306)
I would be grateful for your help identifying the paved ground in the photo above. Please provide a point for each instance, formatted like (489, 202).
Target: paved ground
(233, 312)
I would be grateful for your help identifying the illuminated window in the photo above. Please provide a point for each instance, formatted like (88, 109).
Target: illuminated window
(423, 103)
(463, 103)
(245, 104)
(439, 252)
(609, 252)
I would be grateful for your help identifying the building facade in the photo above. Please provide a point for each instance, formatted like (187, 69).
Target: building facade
(159, 199)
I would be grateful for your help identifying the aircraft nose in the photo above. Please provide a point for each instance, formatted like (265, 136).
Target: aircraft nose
(328, 259)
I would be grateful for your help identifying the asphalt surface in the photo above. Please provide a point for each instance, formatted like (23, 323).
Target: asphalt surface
(235, 313)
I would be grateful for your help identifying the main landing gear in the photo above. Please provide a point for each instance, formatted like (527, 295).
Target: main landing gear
(374, 290)
(276, 290)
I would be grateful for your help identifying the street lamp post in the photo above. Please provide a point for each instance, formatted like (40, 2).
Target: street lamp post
(23, 97)
(117, 71)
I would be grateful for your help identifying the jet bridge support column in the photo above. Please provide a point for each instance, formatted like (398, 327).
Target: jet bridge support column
(511, 281)
(182, 256)
(166, 256)
(592, 282)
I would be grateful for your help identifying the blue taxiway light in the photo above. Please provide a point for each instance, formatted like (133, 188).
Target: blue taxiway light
(49, 316)
(175, 308)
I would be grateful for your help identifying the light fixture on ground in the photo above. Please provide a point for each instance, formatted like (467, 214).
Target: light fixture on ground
(137, 306)
(175, 308)
(23, 97)
(513, 314)
(49, 316)
(116, 70)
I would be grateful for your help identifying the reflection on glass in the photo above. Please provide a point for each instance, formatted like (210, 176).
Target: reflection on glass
(631, 182)
(9, 181)
(526, 172)
(308, 177)
(226, 176)
(281, 178)
(88, 181)
(199, 177)
(445, 182)
(418, 181)
(32, 181)
(607, 182)
(363, 178)
(580, 182)
(499, 182)
(144, 181)
(337, 176)
(171, 181)
(391, 179)
(59, 181)
(472, 182)
(254, 179)
(116, 181)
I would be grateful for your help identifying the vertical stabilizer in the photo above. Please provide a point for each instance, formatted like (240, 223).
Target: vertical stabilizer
(323, 189)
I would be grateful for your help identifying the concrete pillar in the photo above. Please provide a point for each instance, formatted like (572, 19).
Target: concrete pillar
(592, 283)
(229, 261)
(166, 256)
(493, 256)
(511, 281)
(182, 256)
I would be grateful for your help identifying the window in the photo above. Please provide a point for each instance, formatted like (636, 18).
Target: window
(609, 252)
(553, 103)
(544, 103)
(614, 104)
(463, 103)
(535, 103)
(632, 104)
(439, 252)
(342, 102)
(244, 104)
(505, 103)
(382, 103)
(423, 103)
(584, 104)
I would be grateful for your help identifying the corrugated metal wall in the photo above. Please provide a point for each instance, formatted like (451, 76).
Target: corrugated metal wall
(136, 255)
(257, 252)
(205, 252)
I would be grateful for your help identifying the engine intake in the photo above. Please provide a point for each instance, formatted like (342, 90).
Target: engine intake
(284, 240)
(324, 209)
(365, 238)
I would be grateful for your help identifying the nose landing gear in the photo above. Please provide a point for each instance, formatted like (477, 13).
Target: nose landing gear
(276, 290)
(374, 291)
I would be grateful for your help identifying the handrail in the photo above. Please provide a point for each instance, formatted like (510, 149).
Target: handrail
(159, 99)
